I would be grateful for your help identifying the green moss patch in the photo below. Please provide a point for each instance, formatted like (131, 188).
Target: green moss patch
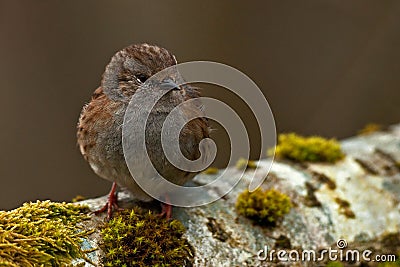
(140, 238)
(210, 171)
(243, 163)
(78, 198)
(370, 128)
(264, 207)
(334, 264)
(42, 234)
(313, 149)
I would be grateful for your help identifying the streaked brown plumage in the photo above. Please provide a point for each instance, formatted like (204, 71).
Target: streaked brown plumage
(100, 124)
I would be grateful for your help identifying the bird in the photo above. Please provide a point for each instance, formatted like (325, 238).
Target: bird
(99, 128)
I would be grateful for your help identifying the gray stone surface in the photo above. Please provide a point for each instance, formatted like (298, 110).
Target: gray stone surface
(368, 178)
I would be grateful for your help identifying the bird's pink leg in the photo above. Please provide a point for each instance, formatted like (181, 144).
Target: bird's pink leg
(166, 209)
(112, 202)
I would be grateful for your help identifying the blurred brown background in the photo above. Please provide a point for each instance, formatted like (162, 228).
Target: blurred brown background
(326, 67)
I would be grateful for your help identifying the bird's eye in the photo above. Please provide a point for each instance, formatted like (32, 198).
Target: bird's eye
(141, 78)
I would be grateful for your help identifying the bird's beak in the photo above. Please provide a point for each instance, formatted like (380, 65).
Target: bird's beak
(169, 84)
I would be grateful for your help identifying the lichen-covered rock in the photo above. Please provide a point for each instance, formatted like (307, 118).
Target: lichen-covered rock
(355, 199)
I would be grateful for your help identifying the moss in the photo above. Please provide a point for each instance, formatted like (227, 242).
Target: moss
(313, 149)
(370, 128)
(334, 264)
(42, 234)
(264, 207)
(243, 163)
(78, 198)
(211, 170)
(140, 238)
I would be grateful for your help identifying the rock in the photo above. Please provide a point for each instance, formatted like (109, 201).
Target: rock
(355, 200)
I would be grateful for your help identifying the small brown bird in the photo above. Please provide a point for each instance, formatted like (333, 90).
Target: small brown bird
(100, 124)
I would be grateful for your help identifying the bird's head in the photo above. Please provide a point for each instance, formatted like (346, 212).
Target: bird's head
(132, 66)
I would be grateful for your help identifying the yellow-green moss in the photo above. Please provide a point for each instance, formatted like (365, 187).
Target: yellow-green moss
(265, 207)
(334, 264)
(78, 198)
(42, 234)
(140, 238)
(313, 149)
(243, 163)
(370, 128)
(211, 170)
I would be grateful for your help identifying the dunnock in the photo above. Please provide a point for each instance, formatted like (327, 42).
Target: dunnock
(100, 123)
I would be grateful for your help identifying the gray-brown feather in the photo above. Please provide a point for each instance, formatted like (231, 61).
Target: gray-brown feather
(100, 124)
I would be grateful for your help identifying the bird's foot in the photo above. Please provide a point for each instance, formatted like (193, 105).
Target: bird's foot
(166, 211)
(111, 204)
